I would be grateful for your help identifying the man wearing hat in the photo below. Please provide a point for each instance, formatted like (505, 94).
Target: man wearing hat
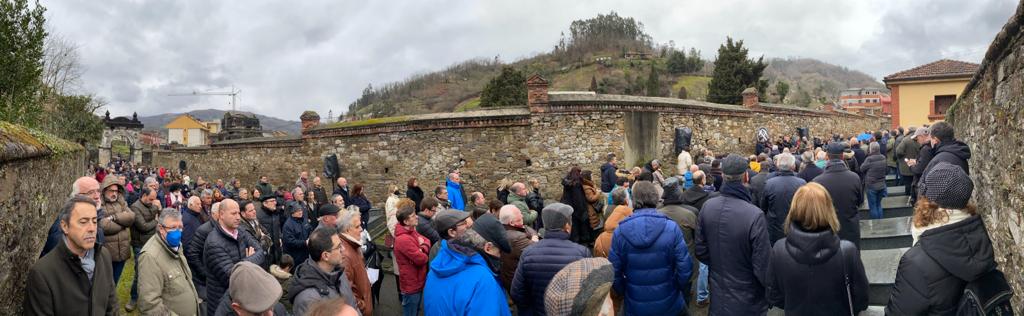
(272, 220)
(461, 280)
(226, 246)
(253, 292)
(540, 262)
(328, 216)
(295, 232)
(847, 193)
(581, 288)
(907, 151)
(449, 224)
(732, 240)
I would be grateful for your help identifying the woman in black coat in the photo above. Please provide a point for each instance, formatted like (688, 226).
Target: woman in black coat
(572, 195)
(414, 193)
(808, 269)
(359, 199)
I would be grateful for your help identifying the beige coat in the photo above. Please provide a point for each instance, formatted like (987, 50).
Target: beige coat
(117, 220)
(165, 281)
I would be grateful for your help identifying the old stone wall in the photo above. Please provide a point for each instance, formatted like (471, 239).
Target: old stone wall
(36, 173)
(988, 117)
(487, 146)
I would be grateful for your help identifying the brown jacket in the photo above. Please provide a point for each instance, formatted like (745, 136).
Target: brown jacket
(519, 238)
(116, 223)
(603, 244)
(145, 222)
(593, 194)
(57, 285)
(165, 281)
(355, 271)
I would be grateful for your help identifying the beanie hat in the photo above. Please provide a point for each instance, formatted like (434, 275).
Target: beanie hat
(948, 186)
(491, 229)
(556, 215)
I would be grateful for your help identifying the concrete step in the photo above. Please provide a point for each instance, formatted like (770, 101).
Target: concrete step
(873, 310)
(885, 233)
(896, 190)
(880, 267)
(889, 202)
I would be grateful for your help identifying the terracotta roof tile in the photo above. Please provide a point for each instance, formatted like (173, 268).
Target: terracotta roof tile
(944, 68)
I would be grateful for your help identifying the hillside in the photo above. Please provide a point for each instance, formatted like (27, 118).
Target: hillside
(595, 50)
(157, 122)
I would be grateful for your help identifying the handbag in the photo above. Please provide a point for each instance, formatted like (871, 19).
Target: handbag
(846, 281)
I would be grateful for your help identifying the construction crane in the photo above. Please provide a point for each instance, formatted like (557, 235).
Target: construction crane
(233, 93)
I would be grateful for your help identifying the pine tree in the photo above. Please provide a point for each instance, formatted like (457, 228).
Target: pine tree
(653, 84)
(782, 89)
(733, 73)
(508, 88)
(593, 83)
(677, 63)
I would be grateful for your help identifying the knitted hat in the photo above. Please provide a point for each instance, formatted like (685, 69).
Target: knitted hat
(555, 215)
(948, 186)
(578, 287)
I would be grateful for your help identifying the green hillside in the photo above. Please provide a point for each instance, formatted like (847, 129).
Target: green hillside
(595, 51)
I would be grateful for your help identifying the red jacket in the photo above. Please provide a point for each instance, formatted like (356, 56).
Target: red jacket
(411, 250)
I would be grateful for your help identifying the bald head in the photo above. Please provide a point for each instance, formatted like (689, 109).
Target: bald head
(87, 186)
(230, 216)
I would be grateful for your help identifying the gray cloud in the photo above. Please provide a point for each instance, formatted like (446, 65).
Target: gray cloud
(292, 56)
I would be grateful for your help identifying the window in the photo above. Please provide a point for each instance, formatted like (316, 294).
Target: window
(942, 103)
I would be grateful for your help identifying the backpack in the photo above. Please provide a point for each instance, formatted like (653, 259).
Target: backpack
(988, 295)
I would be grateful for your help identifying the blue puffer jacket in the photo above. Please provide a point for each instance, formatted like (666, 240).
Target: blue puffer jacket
(220, 254)
(538, 265)
(651, 262)
(456, 196)
(462, 285)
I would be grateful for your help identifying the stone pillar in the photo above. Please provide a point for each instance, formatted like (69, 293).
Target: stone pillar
(536, 93)
(750, 98)
(310, 119)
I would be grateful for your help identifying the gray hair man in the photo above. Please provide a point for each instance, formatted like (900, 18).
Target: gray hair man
(88, 187)
(164, 276)
(519, 236)
(778, 194)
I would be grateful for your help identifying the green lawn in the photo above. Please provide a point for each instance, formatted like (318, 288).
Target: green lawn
(124, 287)
(468, 105)
(696, 87)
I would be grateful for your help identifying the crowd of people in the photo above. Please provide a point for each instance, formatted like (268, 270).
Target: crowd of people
(737, 233)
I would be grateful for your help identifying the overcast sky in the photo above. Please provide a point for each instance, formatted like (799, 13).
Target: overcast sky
(290, 56)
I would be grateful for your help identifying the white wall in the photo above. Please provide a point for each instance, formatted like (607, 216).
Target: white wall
(196, 137)
(175, 135)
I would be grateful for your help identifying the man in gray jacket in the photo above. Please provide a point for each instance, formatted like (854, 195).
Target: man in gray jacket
(321, 276)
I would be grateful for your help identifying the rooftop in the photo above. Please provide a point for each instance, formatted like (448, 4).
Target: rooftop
(942, 69)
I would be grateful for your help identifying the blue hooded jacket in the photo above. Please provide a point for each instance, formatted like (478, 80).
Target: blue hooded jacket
(652, 264)
(462, 285)
(455, 195)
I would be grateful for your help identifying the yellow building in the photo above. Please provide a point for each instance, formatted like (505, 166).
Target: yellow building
(922, 95)
(187, 130)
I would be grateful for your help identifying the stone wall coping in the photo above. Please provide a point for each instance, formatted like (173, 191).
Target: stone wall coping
(506, 116)
(257, 140)
(18, 142)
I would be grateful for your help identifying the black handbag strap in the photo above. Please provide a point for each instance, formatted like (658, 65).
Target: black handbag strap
(846, 280)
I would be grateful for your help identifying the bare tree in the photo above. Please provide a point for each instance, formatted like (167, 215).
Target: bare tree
(62, 68)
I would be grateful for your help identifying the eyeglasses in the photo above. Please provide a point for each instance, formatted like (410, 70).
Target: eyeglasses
(91, 192)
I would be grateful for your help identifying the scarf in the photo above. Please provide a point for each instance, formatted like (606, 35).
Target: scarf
(737, 190)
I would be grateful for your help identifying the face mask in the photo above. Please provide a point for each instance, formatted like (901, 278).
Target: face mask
(174, 238)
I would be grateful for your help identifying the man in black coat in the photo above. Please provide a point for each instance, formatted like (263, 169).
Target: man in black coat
(847, 193)
(778, 194)
(76, 278)
(272, 219)
(541, 261)
(342, 190)
(945, 148)
(732, 240)
(608, 173)
(226, 246)
(696, 196)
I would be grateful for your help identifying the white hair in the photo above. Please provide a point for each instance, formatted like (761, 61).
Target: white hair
(150, 180)
(785, 161)
(507, 213)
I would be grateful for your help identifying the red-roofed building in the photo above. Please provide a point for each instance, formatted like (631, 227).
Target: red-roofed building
(922, 94)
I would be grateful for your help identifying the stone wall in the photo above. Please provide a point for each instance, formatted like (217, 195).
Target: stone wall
(541, 141)
(988, 117)
(36, 173)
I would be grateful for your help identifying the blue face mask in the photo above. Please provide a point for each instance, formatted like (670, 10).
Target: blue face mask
(174, 238)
